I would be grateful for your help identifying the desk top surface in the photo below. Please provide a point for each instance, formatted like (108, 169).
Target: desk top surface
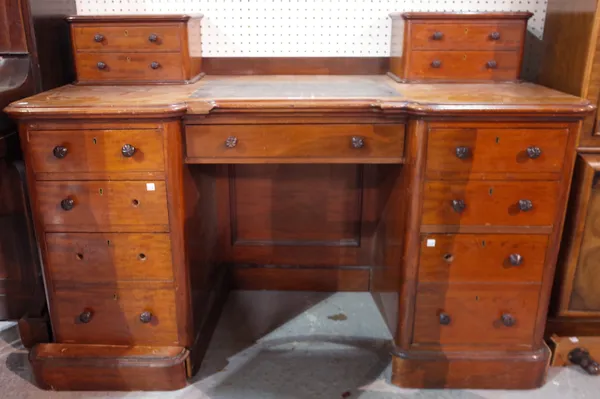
(299, 92)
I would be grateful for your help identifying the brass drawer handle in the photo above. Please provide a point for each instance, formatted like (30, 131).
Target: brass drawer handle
(98, 37)
(515, 259)
(154, 65)
(153, 38)
(491, 64)
(60, 152)
(86, 316)
(128, 150)
(458, 206)
(534, 152)
(508, 320)
(437, 36)
(495, 35)
(445, 319)
(436, 64)
(231, 142)
(67, 204)
(101, 65)
(358, 142)
(525, 205)
(146, 317)
(463, 152)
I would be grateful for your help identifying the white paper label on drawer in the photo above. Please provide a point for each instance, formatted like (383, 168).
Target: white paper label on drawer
(574, 339)
(430, 242)
(150, 187)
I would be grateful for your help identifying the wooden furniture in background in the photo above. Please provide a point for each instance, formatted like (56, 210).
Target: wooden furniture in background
(450, 47)
(34, 56)
(136, 49)
(572, 64)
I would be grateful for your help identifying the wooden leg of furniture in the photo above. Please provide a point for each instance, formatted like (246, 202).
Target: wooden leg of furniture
(74, 367)
(459, 370)
(34, 330)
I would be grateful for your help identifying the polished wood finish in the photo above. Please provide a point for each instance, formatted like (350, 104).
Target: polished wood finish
(300, 279)
(457, 47)
(136, 49)
(108, 367)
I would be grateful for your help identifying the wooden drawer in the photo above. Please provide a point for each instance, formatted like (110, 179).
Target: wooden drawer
(115, 316)
(129, 66)
(482, 257)
(108, 257)
(118, 206)
(490, 203)
(291, 143)
(96, 151)
(461, 35)
(463, 151)
(125, 37)
(471, 65)
(474, 314)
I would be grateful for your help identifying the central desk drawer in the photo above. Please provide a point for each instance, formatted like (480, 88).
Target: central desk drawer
(117, 316)
(108, 257)
(293, 143)
(490, 203)
(117, 206)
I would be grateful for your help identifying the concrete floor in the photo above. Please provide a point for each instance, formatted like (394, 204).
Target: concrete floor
(292, 346)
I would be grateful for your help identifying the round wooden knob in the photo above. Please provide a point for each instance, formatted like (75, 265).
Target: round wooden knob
(582, 357)
(436, 64)
(508, 320)
(534, 152)
(154, 65)
(358, 142)
(60, 152)
(437, 36)
(146, 317)
(462, 152)
(458, 206)
(515, 259)
(67, 204)
(98, 37)
(101, 65)
(231, 142)
(128, 150)
(153, 38)
(492, 64)
(525, 205)
(86, 316)
(495, 35)
(445, 319)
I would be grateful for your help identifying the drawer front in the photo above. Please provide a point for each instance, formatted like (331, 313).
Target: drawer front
(114, 316)
(127, 37)
(499, 203)
(458, 35)
(102, 206)
(129, 66)
(468, 150)
(96, 151)
(354, 142)
(471, 65)
(474, 314)
(108, 257)
(482, 258)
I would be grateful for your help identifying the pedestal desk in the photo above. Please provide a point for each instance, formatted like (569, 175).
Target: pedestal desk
(445, 200)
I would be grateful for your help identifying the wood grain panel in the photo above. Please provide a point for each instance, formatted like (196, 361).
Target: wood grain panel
(461, 35)
(115, 316)
(481, 257)
(471, 65)
(475, 311)
(126, 37)
(490, 203)
(96, 151)
(294, 143)
(101, 258)
(495, 150)
(103, 206)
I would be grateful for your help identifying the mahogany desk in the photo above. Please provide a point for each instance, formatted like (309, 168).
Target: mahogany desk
(446, 201)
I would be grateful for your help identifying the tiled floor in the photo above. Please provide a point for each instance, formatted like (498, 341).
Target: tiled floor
(292, 346)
